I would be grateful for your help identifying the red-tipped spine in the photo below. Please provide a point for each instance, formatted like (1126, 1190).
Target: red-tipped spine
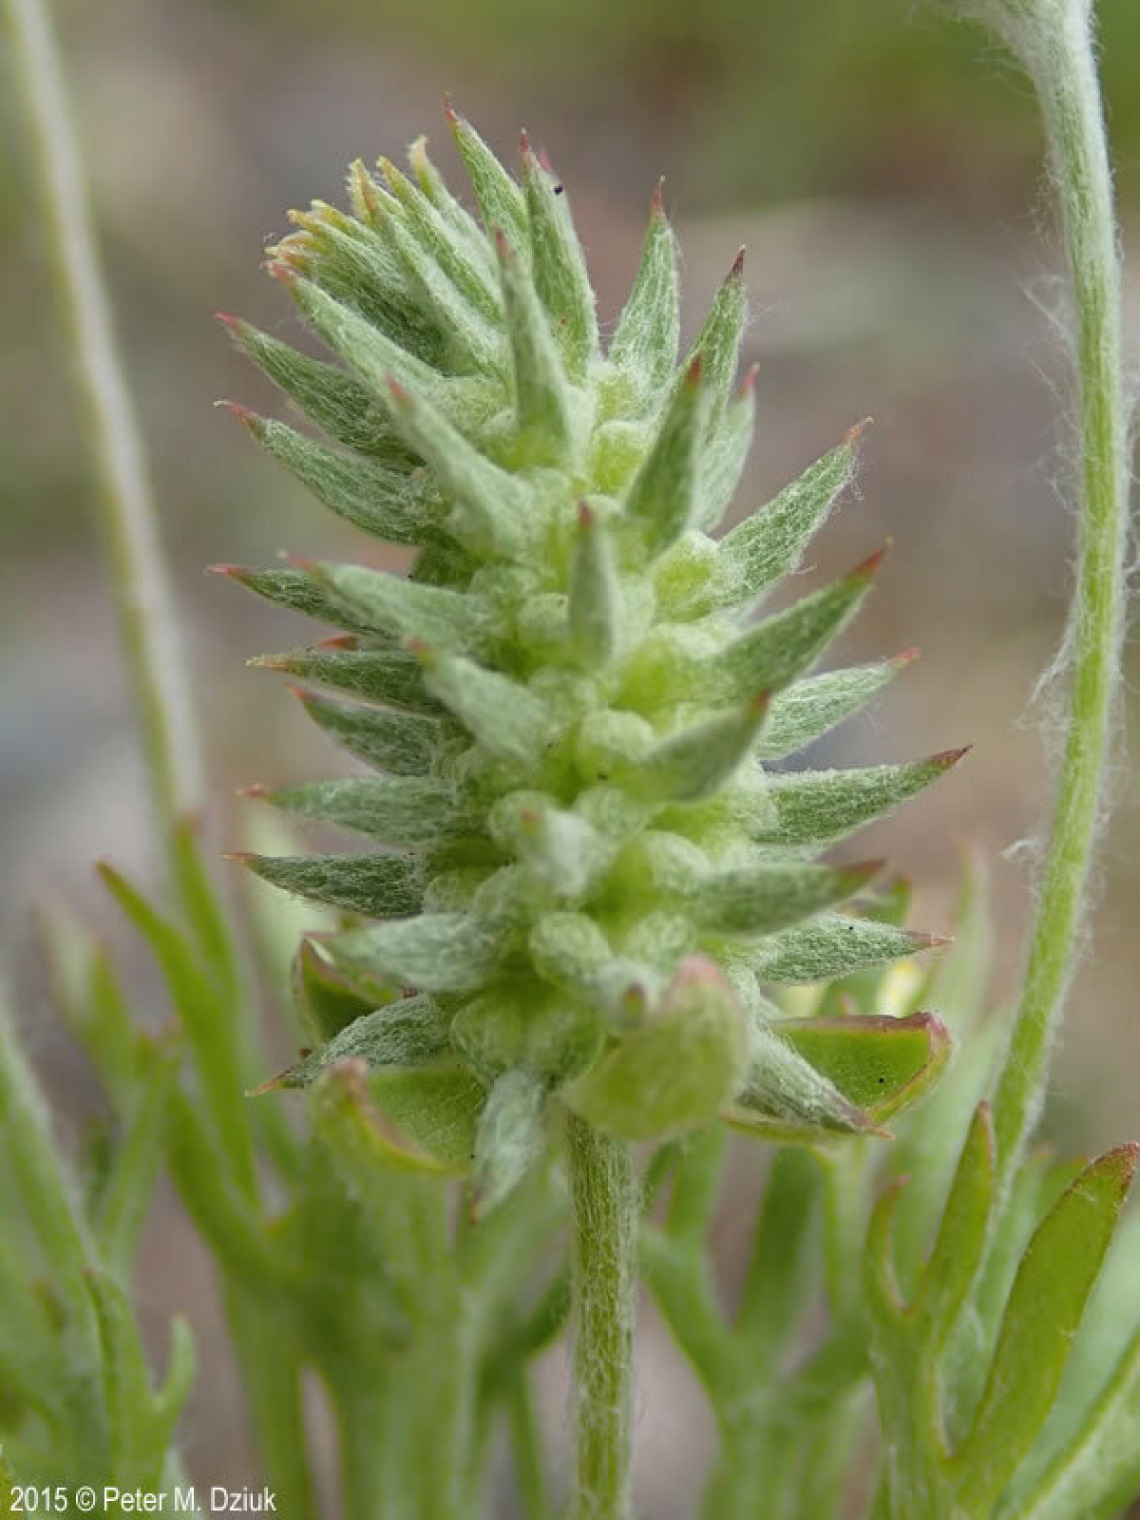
(867, 568)
(855, 432)
(945, 759)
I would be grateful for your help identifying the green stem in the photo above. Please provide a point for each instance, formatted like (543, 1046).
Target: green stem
(526, 1444)
(440, 1365)
(606, 1213)
(138, 574)
(139, 580)
(371, 1432)
(269, 1358)
(753, 1470)
(1057, 45)
(441, 1384)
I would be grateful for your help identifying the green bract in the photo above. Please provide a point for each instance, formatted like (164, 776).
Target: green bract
(586, 874)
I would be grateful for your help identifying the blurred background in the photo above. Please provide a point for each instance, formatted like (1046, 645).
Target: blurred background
(881, 164)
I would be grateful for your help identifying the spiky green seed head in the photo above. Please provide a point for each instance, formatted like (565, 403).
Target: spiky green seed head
(584, 874)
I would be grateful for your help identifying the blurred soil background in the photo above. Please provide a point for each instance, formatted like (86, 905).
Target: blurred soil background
(881, 164)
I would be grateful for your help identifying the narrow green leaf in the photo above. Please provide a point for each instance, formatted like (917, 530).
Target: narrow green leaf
(696, 1184)
(126, 1195)
(170, 1400)
(400, 743)
(126, 1384)
(887, 1307)
(380, 886)
(1113, 1312)
(1045, 1306)
(392, 676)
(784, 646)
(662, 497)
(438, 952)
(364, 347)
(806, 711)
(718, 343)
(961, 1242)
(219, 1210)
(763, 898)
(472, 340)
(542, 399)
(698, 761)
(930, 1140)
(449, 247)
(388, 503)
(1097, 1474)
(594, 606)
(1036, 1189)
(721, 467)
(401, 810)
(355, 267)
(511, 1137)
(493, 512)
(33, 1172)
(207, 1019)
(86, 991)
(834, 946)
(769, 543)
(295, 589)
(686, 1298)
(31, 1330)
(559, 266)
(209, 916)
(822, 807)
(645, 343)
(505, 717)
(409, 1032)
(501, 202)
(677, 1070)
(432, 184)
(393, 604)
(335, 400)
(783, 1268)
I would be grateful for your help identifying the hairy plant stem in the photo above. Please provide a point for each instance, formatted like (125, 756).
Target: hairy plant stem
(605, 1221)
(1062, 63)
(138, 574)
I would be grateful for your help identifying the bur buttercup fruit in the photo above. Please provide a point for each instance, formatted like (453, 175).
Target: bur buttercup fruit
(585, 873)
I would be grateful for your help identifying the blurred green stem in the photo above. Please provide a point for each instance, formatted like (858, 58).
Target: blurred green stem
(269, 1357)
(526, 1445)
(141, 586)
(606, 1215)
(371, 1426)
(1057, 45)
